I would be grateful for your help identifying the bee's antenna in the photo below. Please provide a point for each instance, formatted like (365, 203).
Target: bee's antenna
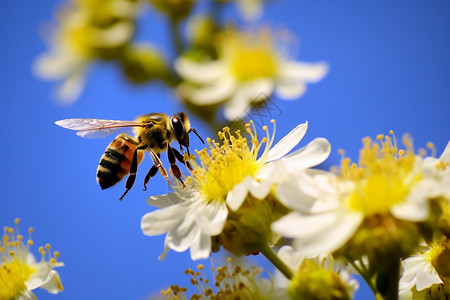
(195, 131)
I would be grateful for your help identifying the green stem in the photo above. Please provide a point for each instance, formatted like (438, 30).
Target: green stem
(176, 37)
(387, 280)
(275, 260)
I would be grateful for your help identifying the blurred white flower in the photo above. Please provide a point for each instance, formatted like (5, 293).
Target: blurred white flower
(84, 30)
(328, 208)
(251, 10)
(251, 66)
(221, 182)
(19, 271)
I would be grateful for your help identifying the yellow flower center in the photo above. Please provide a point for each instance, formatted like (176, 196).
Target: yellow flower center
(226, 165)
(78, 34)
(250, 56)
(439, 256)
(384, 176)
(13, 275)
(14, 269)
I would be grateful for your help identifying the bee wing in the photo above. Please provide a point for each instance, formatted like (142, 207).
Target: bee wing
(96, 128)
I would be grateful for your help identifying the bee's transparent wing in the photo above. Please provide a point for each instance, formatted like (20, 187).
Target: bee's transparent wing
(97, 128)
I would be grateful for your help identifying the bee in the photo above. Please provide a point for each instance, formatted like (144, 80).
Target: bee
(153, 133)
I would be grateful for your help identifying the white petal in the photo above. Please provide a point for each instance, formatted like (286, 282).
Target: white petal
(416, 206)
(309, 156)
(287, 143)
(250, 9)
(162, 220)
(445, 156)
(200, 73)
(55, 65)
(165, 200)
(71, 88)
(237, 107)
(302, 71)
(181, 237)
(260, 190)
(295, 225)
(254, 91)
(201, 248)
(39, 277)
(426, 278)
(318, 233)
(290, 257)
(237, 195)
(53, 283)
(213, 93)
(211, 217)
(113, 36)
(290, 90)
(291, 195)
(333, 237)
(27, 295)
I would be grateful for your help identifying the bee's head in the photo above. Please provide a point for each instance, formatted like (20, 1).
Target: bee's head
(181, 127)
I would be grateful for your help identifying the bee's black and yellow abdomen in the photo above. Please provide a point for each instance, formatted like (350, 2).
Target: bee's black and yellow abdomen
(116, 161)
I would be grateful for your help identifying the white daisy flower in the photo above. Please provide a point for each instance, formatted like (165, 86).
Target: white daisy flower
(20, 273)
(221, 182)
(418, 272)
(388, 184)
(251, 66)
(77, 42)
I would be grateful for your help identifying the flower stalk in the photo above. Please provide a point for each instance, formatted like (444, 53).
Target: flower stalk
(268, 253)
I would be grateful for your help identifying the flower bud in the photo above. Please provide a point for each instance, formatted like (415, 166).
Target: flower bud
(249, 226)
(314, 282)
(381, 238)
(434, 292)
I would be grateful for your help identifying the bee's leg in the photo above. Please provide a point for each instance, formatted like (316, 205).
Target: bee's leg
(133, 169)
(158, 164)
(150, 174)
(173, 164)
(180, 158)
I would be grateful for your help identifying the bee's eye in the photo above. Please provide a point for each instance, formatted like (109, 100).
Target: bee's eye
(178, 127)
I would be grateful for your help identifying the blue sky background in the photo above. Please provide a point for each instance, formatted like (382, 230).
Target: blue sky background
(389, 69)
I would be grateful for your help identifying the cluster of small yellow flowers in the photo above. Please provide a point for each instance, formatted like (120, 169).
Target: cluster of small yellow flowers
(19, 273)
(86, 30)
(226, 165)
(227, 283)
(382, 175)
(245, 69)
(246, 52)
(382, 182)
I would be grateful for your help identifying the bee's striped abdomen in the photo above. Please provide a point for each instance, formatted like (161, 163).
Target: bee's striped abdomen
(115, 162)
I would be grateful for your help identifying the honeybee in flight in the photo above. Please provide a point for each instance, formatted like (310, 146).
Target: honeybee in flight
(153, 133)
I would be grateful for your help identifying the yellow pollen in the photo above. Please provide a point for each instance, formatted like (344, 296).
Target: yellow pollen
(224, 166)
(15, 269)
(250, 55)
(383, 176)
